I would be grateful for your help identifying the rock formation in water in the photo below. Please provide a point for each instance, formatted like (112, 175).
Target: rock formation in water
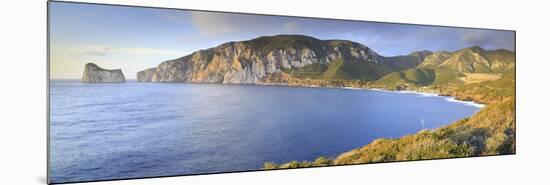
(95, 74)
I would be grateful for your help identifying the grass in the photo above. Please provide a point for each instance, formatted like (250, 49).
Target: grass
(488, 91)
(313, 71)
(471, 78)
(281, 42)
(340, 69)
(420, 77)
(320, 161)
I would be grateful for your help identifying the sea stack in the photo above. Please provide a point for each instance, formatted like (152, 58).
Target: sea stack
(95, 74)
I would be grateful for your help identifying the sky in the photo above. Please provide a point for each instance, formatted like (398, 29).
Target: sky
(133, 39)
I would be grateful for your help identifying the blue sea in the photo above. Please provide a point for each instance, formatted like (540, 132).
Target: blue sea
(131, 130)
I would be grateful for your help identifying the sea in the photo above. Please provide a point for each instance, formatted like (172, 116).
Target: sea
(135, 130)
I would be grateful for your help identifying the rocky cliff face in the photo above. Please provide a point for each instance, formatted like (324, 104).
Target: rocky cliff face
(251, 62)
(95, 74)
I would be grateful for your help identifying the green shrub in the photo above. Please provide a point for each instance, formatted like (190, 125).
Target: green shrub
(270, 165)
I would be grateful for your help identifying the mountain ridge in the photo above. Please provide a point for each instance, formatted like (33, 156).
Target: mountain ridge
(254, 61)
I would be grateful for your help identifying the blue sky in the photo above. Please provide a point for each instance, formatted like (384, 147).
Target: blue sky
(133, 38)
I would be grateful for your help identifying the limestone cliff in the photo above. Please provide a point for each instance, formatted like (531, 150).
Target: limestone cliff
(95, 74)
(252, 61)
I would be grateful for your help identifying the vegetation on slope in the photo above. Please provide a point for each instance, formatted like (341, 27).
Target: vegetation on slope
(418, 77)
(489, 132)
(486, 92)
(267, 44)
(403, 62)
(340, 69)
(473, 60)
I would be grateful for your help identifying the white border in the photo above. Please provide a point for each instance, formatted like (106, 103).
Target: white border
(23, 101)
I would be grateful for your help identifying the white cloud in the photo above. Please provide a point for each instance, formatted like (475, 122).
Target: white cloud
(489, 39)
(171, 15)
(105, 51)
(292, 27)
(211, 24)
(475, 37)
(214, 24)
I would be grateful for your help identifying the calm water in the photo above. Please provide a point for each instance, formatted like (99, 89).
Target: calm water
(111, 131)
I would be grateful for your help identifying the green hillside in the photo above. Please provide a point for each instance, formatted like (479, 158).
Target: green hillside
(478, 60)
(340, 69)
(418, 77)
(267, 44)
(451, 70)
(402, 62)
(486, 92)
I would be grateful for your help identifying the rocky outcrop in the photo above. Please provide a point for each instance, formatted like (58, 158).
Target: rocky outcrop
(146, 75)
(95, 74)
(251, 62)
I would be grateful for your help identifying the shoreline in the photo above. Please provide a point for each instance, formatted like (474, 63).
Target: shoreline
(427, 94)
(408, 91)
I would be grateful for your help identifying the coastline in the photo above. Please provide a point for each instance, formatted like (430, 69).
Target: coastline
(427, 94)
(408, 91)
(448, 98)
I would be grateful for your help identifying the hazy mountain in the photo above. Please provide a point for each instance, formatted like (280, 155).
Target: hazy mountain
(465, 66)
(472, 60)
(477, 60)
(408, 61)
